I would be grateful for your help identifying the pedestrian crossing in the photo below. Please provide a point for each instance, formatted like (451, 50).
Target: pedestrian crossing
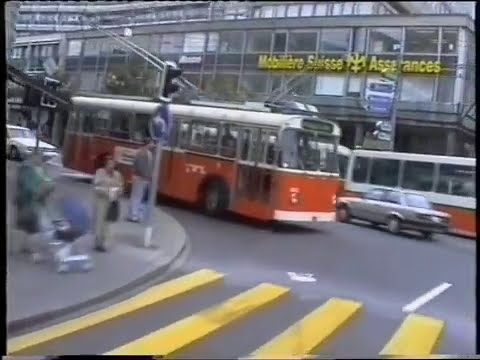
(417, 335)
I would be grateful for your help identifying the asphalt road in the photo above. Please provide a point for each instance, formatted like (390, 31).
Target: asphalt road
(351, 261)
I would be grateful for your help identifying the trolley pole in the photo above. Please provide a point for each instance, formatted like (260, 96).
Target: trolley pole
(152, 194)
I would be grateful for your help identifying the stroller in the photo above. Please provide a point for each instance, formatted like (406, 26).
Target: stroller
(70, 223)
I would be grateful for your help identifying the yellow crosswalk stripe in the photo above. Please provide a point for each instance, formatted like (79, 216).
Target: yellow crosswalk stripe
(417, 336)
(155, 295)
(175, 337)
(301, 339)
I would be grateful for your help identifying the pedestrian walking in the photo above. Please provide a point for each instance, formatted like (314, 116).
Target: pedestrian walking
(34, 188)
(141, 181)
(108, 184)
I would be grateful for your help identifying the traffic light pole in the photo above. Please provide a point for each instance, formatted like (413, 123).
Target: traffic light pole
(152, 194)
(396, 94)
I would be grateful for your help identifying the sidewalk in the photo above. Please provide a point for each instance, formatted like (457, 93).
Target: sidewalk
(36, 293)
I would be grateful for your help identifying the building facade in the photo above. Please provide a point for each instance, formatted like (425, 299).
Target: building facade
(324, 53)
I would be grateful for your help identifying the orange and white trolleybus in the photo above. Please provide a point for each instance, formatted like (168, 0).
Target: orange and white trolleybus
(263, 165)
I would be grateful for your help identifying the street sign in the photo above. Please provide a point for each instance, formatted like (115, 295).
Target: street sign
(384, 136)
(380, 105)
(385, 126)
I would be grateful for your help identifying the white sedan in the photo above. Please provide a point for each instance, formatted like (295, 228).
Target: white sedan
(21, 142)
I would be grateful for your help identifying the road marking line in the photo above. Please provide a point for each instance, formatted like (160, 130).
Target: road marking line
(157, 294)
(417, 336)
(301, 277)
(422, 300)
(182, 333)
(305, 336)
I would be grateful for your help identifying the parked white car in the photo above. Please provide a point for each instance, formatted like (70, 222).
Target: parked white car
(21, 142)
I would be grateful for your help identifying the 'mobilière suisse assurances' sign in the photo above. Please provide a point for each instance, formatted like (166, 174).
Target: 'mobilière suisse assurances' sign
(354, 63)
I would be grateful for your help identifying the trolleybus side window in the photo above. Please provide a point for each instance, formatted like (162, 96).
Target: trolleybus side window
(342, 165)
(139, 128)
(74, 122)
(360, 169)
(87, 119)
(204, 137)
(456, 180)
(269, 140)
(120, 124)
(384, 172)
(228, 142)
(418, 175)
(184, 133)
(102, 122)
(246, 139)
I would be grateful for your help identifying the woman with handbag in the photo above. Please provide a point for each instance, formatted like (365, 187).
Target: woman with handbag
(108, 184)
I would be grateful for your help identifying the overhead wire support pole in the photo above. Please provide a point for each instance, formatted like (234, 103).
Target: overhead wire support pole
(152, 194)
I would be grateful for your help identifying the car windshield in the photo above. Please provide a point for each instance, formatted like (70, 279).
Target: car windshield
(20, 133)
(417, 201)
(308, 150)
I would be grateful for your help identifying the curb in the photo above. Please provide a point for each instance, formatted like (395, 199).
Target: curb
(17, 327)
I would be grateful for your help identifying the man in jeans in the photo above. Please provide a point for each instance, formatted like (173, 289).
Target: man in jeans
(142, 174)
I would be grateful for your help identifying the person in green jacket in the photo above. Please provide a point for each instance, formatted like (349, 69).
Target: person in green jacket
(34, 187)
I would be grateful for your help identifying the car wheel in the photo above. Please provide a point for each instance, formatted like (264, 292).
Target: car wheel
(343, 214)
(13, 153)
(394, 224)
(216, 198)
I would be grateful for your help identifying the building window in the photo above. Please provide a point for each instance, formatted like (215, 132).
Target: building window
(355, 85)
(359, 39)
(360, 169)
(172, 44)
(303, 86)
(302, 41)
(337, 40)
(321, 10)
(293, 10)
(213, 40)
(231, 41)
(417, 89)
(418, 176)
(384, 172)
(365, 8)
(281, 11)
(456, 180)
(449, 40)
(194, 43)
(330, 85)
(307, 10)
(383, 40)
(254, 83)
(336, 9)
(267, 12)
(259, 41)
(446, 89)
(279, 42)
(421, 40)
(348, 8)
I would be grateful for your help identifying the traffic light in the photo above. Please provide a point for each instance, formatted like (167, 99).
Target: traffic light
(46, 100)
(173, 72)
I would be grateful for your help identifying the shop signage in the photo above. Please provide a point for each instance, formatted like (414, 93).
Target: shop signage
(355, 63)
(190, 59)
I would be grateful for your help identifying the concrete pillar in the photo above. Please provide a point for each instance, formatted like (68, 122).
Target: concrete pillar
(359, 134)
(451, 143)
